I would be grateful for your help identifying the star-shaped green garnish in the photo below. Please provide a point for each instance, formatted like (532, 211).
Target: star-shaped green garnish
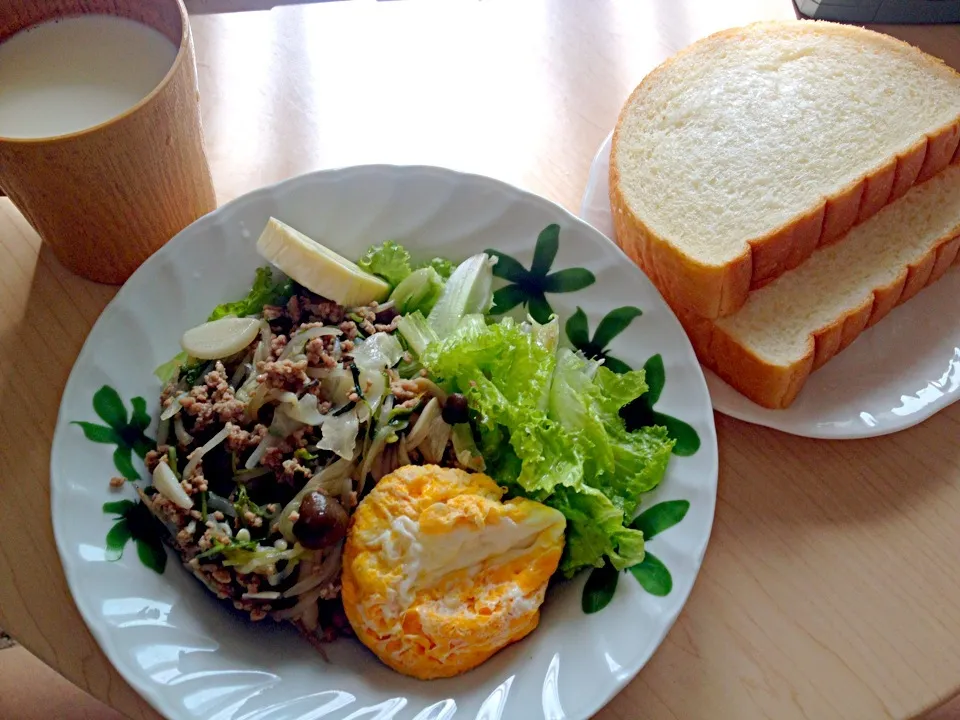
(651, 573)
(640, 412)
(134, 522)
(529, 287)
(129, 436)
(612, 324)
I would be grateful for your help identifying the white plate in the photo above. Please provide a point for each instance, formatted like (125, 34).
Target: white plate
(895, 375)
(191, 657)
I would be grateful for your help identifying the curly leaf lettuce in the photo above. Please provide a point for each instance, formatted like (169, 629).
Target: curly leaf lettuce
(548, 425)
(264, 292)
(390, 261)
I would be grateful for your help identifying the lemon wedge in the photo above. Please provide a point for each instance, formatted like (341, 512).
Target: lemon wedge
(318, 268)
(220, 338)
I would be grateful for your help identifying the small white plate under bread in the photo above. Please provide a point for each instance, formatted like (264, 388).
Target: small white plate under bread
(893, 376)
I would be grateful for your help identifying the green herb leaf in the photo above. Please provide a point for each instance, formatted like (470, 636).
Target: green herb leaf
(508, 268)
(662, 516)
(108, 405)
(152, 554)
(614, 323)
(219, 548)
(118, 507)
(117, 539)
(599, 589)
(304, 454)
(507, 298)
(653, 576)
(578, 329)
(192, 372)
(121, 459)
(569, 280)
(139, 418)
(548, 242)
(98, 433)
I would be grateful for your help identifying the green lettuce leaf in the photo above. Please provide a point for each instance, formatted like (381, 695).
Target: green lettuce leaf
(586, 399)
(264, 292)
(419, 290)
(390, 261)
(548, 426)
(442, 266)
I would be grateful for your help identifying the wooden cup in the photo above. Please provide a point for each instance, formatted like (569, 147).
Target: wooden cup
(107, 197)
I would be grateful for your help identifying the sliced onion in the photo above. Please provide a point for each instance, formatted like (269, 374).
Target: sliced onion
(298, 341)
(337, 386)
(340, 434)
(306, 600)
(264, 595)
(240, 374)
(304, 410)
(268, 442)
(284, 396)
(436, 441)
(197, 455)
(183, 437)
(266, 336)
(378, 352)
(167, 485)
(373, 386)
(279, 577)
(418, 432)
(174, 407)
(257, 397)
(324, 572)
(402, 456)
(261, 353)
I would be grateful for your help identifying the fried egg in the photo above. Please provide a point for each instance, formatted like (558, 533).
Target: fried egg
(439, 574)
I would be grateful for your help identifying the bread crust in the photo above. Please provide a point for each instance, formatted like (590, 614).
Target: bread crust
(776, 386)
(712, 291)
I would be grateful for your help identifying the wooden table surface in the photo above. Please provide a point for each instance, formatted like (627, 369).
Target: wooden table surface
(831, 586)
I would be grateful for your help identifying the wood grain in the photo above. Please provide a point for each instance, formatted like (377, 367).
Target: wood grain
(106, 198)
(831, 587)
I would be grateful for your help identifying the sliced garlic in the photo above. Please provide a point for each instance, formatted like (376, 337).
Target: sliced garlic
(220, 338)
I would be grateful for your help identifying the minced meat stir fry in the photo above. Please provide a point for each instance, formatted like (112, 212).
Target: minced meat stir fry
(265, 453)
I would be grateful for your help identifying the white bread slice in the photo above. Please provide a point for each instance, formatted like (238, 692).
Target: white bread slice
(736, 158)
(796, 323)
